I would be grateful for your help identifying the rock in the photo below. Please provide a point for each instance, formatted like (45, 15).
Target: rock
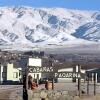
(43, 94)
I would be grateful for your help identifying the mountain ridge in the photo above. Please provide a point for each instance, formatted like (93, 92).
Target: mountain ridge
(37, 26)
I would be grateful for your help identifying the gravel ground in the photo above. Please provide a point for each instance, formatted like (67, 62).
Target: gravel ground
(11, 92)
(15, 92)
(73, 87)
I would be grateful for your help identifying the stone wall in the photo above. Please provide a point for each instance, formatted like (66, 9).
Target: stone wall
(51, 95)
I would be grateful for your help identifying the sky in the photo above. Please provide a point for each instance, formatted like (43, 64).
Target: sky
(70, 4)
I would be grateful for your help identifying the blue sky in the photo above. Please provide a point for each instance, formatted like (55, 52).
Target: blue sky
(72, 4)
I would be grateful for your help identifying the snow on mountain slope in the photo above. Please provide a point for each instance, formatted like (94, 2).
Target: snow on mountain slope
(89, 31)
(37, 26)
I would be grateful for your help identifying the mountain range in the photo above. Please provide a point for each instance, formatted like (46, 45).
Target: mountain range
(29, 27)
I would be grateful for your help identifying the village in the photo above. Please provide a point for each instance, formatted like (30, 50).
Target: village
(14, 65)
(56, 69)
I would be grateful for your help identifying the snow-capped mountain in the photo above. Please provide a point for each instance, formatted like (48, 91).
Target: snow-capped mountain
(36, 26)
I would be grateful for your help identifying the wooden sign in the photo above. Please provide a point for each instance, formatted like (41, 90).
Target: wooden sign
(41, 69)
(67, 75)
(56, 74)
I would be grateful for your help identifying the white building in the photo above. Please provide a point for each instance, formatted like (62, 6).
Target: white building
(1, 72)
(9, 73)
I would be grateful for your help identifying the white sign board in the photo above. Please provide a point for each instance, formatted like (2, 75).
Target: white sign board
(35, 62)
(41, 69)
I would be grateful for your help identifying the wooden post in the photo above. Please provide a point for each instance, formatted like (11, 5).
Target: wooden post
(79, 81)
(25, 86)
(96, 77)
(94, 84)
(92, 77)
(87, 84)
(74, 70)
(52, 83)
(37, 80)
(27, 78)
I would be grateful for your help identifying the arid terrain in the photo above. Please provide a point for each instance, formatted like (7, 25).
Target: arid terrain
(11, 92)
(14, 92)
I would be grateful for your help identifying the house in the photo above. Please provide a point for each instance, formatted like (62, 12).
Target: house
(9, 74)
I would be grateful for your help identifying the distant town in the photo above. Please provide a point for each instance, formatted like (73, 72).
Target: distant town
(14, 65)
